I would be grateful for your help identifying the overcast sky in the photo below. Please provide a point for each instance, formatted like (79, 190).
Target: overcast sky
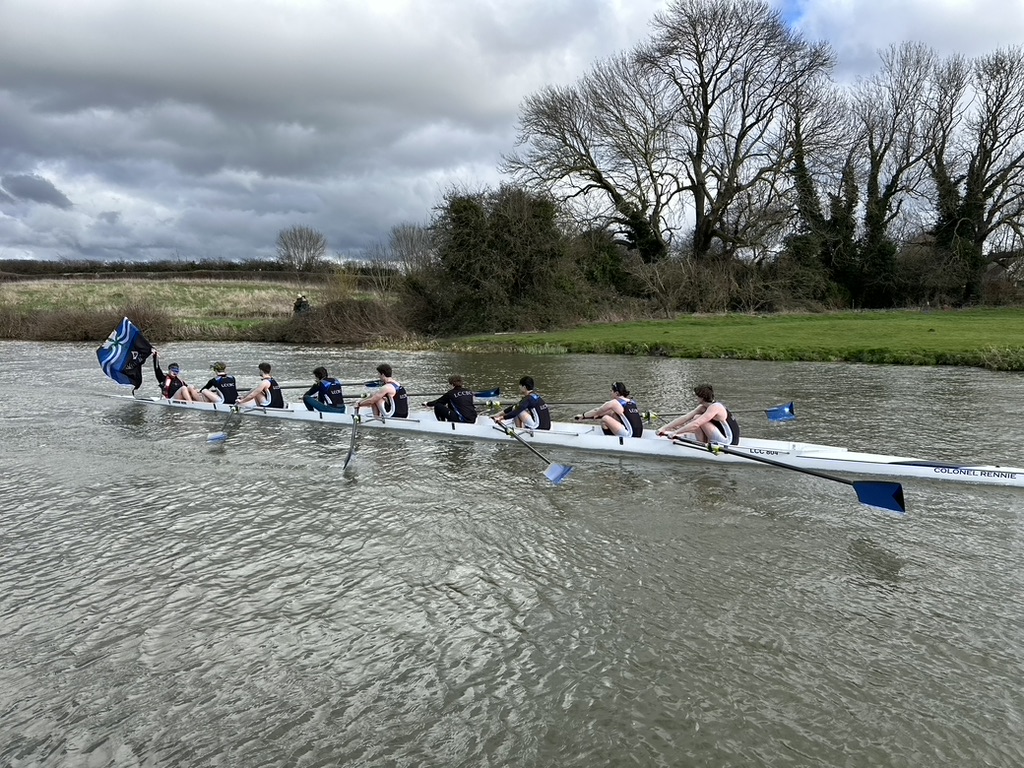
(191, 129)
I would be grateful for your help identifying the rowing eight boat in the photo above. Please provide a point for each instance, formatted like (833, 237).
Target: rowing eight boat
(587, 437)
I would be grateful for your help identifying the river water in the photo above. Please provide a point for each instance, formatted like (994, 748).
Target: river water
(165, 603)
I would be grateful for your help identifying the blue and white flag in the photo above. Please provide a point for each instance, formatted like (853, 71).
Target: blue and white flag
(121, 356)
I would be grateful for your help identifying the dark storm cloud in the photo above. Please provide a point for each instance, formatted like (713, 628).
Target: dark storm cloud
(35, 189)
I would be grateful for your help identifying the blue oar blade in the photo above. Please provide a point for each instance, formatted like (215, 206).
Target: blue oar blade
(216, 437)
(557, 473)
(781, 413)
(887, 497)
(488, 393)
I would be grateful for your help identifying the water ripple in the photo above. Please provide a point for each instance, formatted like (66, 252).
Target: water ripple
(163, 603)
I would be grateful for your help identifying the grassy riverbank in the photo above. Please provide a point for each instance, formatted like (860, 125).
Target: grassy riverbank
(987, 338)
(189, 309)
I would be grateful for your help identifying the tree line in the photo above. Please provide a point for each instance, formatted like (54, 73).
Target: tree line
(719, 166)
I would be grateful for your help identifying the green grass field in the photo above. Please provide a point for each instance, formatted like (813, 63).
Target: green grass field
(990, 338)
(225, 309)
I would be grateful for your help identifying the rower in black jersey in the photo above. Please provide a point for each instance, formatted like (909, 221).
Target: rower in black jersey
(457, 404)
(326, 394)
(620, 416)
(531, 412)
(390, 400)
(266, 394)
(222, 388)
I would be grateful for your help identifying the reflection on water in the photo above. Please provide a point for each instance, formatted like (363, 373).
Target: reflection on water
(129, 417)
(875, 565)
(164, 602)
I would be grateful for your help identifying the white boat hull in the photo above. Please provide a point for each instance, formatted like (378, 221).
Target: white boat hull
(588, 437)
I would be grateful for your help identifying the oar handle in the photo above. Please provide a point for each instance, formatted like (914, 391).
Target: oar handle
(715, 448)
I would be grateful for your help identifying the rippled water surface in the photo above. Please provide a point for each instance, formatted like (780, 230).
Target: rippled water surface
(164, 603)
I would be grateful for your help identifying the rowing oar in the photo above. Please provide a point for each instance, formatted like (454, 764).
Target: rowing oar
(556, 473)
(356, 418)
(215, 438)
(776, 413)
(481, 395)
(374, 383)
(887, 497)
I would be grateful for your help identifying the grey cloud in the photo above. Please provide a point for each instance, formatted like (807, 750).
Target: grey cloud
(201, 129)
(35, 188)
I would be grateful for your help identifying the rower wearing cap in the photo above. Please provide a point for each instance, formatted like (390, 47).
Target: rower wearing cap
(221, 389)
(172, 386)
(620, 416)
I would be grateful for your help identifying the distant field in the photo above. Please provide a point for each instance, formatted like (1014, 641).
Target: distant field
(185, 299)
(989, 338)
(225, 309)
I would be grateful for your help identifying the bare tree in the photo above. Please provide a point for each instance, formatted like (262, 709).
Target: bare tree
(734, 66)
(301, 248)
(601, 145)
(888, 107)
(977, 159)
(689, 123)
(411, 247)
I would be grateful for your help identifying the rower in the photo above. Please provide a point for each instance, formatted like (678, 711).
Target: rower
(391, 400)
(326, 394)
(709, 422)
(620, 416)
(172, 386)
(221, 389)
(531, 412)
(457, 404)
(266, 394)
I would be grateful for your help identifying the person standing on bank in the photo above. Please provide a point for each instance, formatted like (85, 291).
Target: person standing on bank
(266, 394)
(619, 416)
(221, 389)
(326, 394)
(172, 386)
(709, 422)
(390, 401)
(531, 412)
(457, 404)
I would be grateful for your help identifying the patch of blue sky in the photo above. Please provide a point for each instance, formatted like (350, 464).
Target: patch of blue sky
(792, 11)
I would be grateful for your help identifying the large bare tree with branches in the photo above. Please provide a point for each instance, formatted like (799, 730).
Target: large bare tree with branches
(301, 248)
(602, 145)
(977, 159)
(734, 67)
(687, 125)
